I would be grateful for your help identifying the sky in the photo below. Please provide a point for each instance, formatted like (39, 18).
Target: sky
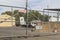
(32, 4)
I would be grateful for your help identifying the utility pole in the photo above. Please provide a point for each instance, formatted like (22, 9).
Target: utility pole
(26, 18)
(12, 16)
(58, 16)
(48, 20)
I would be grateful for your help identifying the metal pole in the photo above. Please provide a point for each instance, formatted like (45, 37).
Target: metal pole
(26, 18)
(58, 16)
(43, 16)
(48, 20)
(12, 6)
(12, 16)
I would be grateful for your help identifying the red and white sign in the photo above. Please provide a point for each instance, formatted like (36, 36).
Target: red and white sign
(22, 10)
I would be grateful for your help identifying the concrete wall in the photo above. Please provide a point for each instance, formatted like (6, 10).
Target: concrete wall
(50, 27)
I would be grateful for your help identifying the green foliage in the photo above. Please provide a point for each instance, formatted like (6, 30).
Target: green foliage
(32, 15)
(46, 18)
(7, 12)
(35, 15)
(15, 14)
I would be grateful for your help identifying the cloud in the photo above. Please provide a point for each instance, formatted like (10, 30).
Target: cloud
(13, 2)
(33, 4)
(41, 4)
(20, 3)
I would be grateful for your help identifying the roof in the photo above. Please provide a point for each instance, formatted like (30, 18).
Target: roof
(53, 9)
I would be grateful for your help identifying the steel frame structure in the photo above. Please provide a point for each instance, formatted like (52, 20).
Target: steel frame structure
(57, 11)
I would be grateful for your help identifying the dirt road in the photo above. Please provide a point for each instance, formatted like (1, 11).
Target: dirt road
(19, 33)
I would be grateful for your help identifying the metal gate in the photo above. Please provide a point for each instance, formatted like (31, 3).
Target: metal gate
(27, 22)
(10, 22)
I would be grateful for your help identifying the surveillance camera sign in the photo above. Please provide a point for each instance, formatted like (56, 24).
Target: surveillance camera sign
(22, 22)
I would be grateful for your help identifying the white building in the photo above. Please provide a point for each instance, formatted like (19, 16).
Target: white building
(53, 19)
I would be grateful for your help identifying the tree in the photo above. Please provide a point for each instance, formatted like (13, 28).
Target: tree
(46, 18)
(36, 15)
(15, 14)
(7, 12)
(32, 15)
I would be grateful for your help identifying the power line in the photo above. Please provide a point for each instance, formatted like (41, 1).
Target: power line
(46, 11)
(12, 6)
